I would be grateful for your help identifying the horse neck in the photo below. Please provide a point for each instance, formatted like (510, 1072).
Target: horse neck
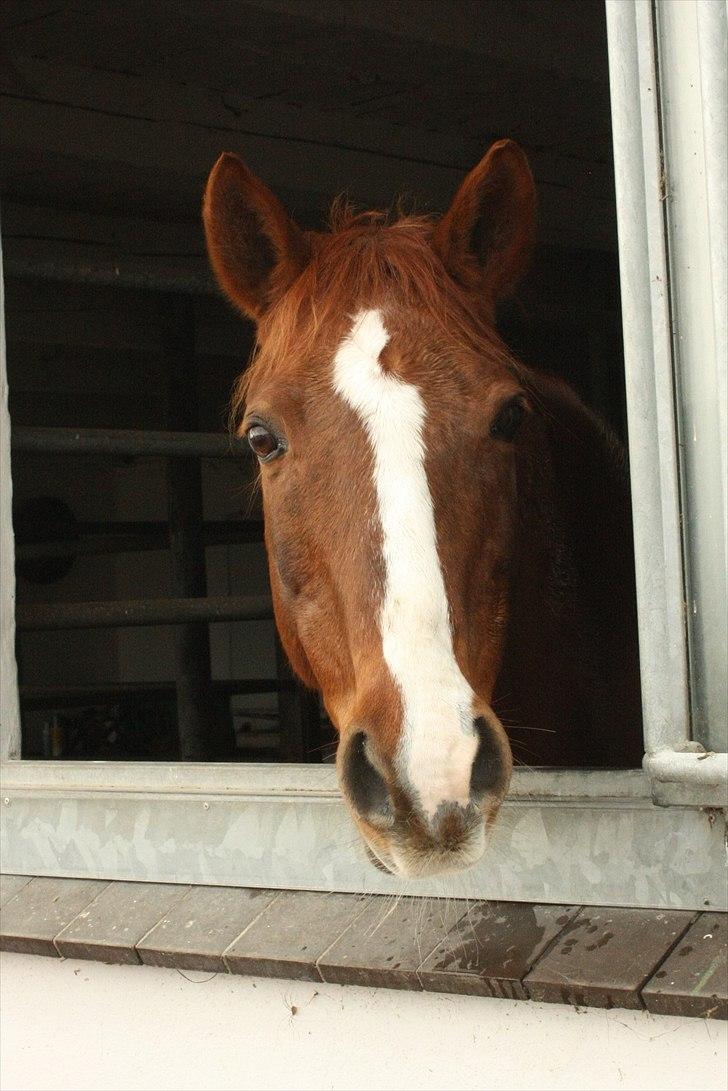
(581, 472)
(571, 648)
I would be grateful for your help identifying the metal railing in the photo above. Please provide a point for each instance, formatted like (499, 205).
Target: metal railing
(185, 536)
(168, 611)
(102, 441)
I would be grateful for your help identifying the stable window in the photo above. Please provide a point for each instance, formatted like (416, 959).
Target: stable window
(156, 732)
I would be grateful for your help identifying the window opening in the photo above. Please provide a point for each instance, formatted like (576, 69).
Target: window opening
(144, 622)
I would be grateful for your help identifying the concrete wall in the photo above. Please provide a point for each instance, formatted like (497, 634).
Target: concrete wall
(80, 1025)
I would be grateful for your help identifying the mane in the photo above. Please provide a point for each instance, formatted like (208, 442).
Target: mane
(369, 259)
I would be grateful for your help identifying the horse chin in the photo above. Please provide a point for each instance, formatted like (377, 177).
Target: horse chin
(408, 864)
(414, 865)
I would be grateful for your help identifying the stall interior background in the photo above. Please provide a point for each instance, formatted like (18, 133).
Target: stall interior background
(112, 115)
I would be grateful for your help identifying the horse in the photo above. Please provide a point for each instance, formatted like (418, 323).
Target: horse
(447, 530)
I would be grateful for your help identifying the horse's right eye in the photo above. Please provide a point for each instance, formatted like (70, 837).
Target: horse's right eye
(264, 443)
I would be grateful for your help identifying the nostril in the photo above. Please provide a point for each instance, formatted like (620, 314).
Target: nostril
(488, 768)
(364, 783)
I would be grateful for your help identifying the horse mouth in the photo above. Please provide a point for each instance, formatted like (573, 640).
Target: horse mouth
(416, 865)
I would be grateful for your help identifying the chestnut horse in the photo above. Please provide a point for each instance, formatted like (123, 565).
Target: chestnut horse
(448, 532)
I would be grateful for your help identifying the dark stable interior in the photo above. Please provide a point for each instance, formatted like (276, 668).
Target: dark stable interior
(112, 115)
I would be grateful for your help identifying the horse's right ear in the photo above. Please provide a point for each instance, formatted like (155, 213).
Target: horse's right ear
(256, 250)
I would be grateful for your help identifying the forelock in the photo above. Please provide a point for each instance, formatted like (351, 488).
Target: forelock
(379, 260)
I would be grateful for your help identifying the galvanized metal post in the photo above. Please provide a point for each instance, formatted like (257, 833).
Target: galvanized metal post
(195, 710)
(648, 375)
(691, 42)
(9, 708)
(668, 204)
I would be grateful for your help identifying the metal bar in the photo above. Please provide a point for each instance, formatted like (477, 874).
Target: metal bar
(221, 530)
(707, 769)
(136, 538)
(691, 42)
(195, 711)
(648, 374)
(688, 779)
(171, 611)
(115, 272)
(597, 788)
(39, 697)
(85, 441)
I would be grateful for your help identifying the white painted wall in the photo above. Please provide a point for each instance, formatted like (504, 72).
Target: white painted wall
(78, 1025)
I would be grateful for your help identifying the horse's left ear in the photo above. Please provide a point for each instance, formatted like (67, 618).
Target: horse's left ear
(486, 237)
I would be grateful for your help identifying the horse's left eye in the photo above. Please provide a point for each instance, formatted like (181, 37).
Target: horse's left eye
(509, 419)
(264, 443)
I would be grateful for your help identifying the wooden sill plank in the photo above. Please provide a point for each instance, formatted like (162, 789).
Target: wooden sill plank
(10, 885)
(670, 961)
(291, 935)
(388, 942)
(33, 918)
(493, 947)
(109, 929)
(194, 933)
(603, 957)
(693, 979)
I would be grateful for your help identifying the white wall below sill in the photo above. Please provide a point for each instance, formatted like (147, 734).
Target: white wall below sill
(83, 1025)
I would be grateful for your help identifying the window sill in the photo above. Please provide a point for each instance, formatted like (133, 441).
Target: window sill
(668, 961)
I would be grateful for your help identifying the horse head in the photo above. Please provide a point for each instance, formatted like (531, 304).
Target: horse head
(386, 416)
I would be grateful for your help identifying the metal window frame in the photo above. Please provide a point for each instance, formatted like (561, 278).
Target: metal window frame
(691, 43)
(645, 837)
(659, 326)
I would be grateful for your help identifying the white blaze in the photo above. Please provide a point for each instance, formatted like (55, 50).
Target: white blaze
(438, 743)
